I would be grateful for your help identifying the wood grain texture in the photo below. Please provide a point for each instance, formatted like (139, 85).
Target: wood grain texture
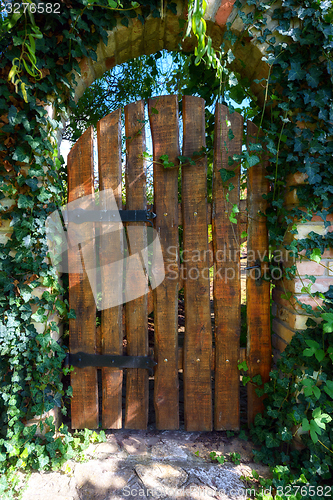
(82, 336)
(136, 411)
(259, 353)
(165, 134)
(111, 250)
(198, 333)
(227, 286)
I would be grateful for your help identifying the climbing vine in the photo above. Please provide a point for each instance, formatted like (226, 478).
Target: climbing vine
(37, 57)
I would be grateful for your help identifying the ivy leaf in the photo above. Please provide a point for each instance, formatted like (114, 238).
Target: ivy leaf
(72, 314)
(255, 146)
(271, 442)
(230, 56)
(17, 40)
(43, 460)
(242, 366)
(39, 317)
(25, 201)
(313, 433)
(12, 116)
(310, 388)
(27, 241)
(313, 346)
(20, 155)
(313, 76)
(316, 392)
(286, 435)
(329, 388)
(312, 170)
(296, 72)
(232, 79)
(230, 135)
(319, 98)
(25, 453)
(252, 159)
(257, 379)
(328, 322)
(226, 174)
(313, 427)
(44, 339)
(44, 195)
(60, 306)
(32, 183)
(305, 425)
(33, 142)
(320, 354)
(182, 159)
(26, 296)
(316, 255)
(320, 419)
(166, 162)
(298, 145)
(57, 402)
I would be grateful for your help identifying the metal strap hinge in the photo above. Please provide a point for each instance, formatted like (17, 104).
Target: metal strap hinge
(81, 360)
(81, 215)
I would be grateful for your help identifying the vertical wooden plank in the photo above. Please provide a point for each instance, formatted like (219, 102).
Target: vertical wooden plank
(227, 289)
(165, 134)
(82, 330)
(258, 291)
(111, 250)
(198, 333)
(136, 412)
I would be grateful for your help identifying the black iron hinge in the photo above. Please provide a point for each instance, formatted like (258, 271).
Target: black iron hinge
(80, 216)
(82, 359)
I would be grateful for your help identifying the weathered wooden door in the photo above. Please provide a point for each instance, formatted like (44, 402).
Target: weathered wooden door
(208, 361)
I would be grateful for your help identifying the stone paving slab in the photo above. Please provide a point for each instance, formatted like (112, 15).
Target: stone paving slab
(149, 465)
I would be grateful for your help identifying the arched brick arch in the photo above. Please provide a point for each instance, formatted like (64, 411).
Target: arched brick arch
(125, 43)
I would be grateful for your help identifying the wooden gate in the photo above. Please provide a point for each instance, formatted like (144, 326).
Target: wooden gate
(208, 362)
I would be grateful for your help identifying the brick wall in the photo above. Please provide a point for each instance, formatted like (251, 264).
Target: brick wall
(288, 315)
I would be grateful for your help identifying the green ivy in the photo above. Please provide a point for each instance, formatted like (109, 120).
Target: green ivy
(295, 430)
(37, 53)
